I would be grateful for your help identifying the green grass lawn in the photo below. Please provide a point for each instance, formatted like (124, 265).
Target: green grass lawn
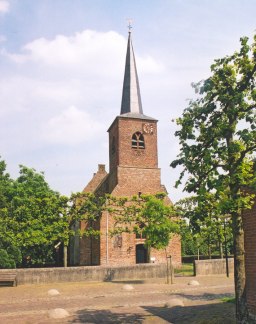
(229, 300)
(185, 270)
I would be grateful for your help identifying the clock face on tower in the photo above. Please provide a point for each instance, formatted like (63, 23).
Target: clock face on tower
(148, 128)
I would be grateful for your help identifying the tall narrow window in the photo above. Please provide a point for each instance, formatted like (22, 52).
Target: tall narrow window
(138, 141)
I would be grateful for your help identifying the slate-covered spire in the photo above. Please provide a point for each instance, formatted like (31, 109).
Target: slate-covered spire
(131, 100)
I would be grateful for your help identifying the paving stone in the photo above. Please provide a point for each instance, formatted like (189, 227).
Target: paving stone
(174, 302)
(53, 292)
(193, 283)
(128, 287)
(58, 313)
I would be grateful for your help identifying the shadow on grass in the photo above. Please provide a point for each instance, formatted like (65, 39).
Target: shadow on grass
(206, 296)
(199, 314)
(186, 270)
(107, 316)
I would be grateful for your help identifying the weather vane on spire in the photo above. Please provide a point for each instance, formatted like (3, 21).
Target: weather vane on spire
(129, 24)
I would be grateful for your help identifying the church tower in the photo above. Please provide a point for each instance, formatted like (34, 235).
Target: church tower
(133, 138)
(133, 169)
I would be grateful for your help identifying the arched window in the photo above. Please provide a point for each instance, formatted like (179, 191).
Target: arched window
(138, 141)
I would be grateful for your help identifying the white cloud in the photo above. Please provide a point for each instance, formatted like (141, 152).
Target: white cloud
(149, 65)
(4, 6)
(19, 93)
(72, 126)
(66, 71)
(89, 51)
(58, 96)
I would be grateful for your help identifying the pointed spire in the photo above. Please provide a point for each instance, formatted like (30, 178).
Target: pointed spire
(131, 100)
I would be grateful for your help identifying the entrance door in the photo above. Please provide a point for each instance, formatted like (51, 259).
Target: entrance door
(141, 254)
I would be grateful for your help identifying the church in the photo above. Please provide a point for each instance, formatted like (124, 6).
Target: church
(133, 170)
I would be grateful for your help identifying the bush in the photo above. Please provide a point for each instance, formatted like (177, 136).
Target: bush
(15, 254)
(6, 260)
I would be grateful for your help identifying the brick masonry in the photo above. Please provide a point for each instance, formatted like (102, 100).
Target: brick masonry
(249, 220)
(132, 170)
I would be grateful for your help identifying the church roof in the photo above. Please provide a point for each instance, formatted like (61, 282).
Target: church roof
(136, 115)
(131, 99)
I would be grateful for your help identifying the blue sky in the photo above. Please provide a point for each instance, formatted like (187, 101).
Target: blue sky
(62, 65)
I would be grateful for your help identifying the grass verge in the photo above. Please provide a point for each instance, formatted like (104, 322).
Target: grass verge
(186, 269)
(229, 300)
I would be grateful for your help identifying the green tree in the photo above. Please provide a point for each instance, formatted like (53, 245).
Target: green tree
(5, 186)
(205, 223)
(188, 241)
(34, 218)
(30, 220)
(10, 254)
(217, 139)
(191, 240)
(6, 261)
(148, 216)
(81, 207)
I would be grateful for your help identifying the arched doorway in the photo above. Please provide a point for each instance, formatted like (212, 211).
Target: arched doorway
(141, 254)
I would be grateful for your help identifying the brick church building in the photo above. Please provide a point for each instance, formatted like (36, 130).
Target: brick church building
(133, 169)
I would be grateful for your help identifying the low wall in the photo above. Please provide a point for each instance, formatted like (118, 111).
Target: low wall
(192, 258)
(213, 267)
(91, 273)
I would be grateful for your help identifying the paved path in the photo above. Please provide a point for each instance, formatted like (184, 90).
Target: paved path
(113, 302)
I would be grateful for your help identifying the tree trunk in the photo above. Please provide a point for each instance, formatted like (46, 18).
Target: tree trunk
(167, 267)
(209, 247)
(65, 256)
(209, 251)
(239, 269)
(220, 244)
(221, 249)
(237, 228)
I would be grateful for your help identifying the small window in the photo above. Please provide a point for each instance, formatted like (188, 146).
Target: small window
(140, 235)
(138, 141)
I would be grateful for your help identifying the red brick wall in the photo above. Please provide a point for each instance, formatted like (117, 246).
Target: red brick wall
(113, 150)
(249, 219)
(131, 180)
(116, 250)
(173, 250)
(97, 179)
(121, 249)
(124, 155)
(89, 247)
(131, 171)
